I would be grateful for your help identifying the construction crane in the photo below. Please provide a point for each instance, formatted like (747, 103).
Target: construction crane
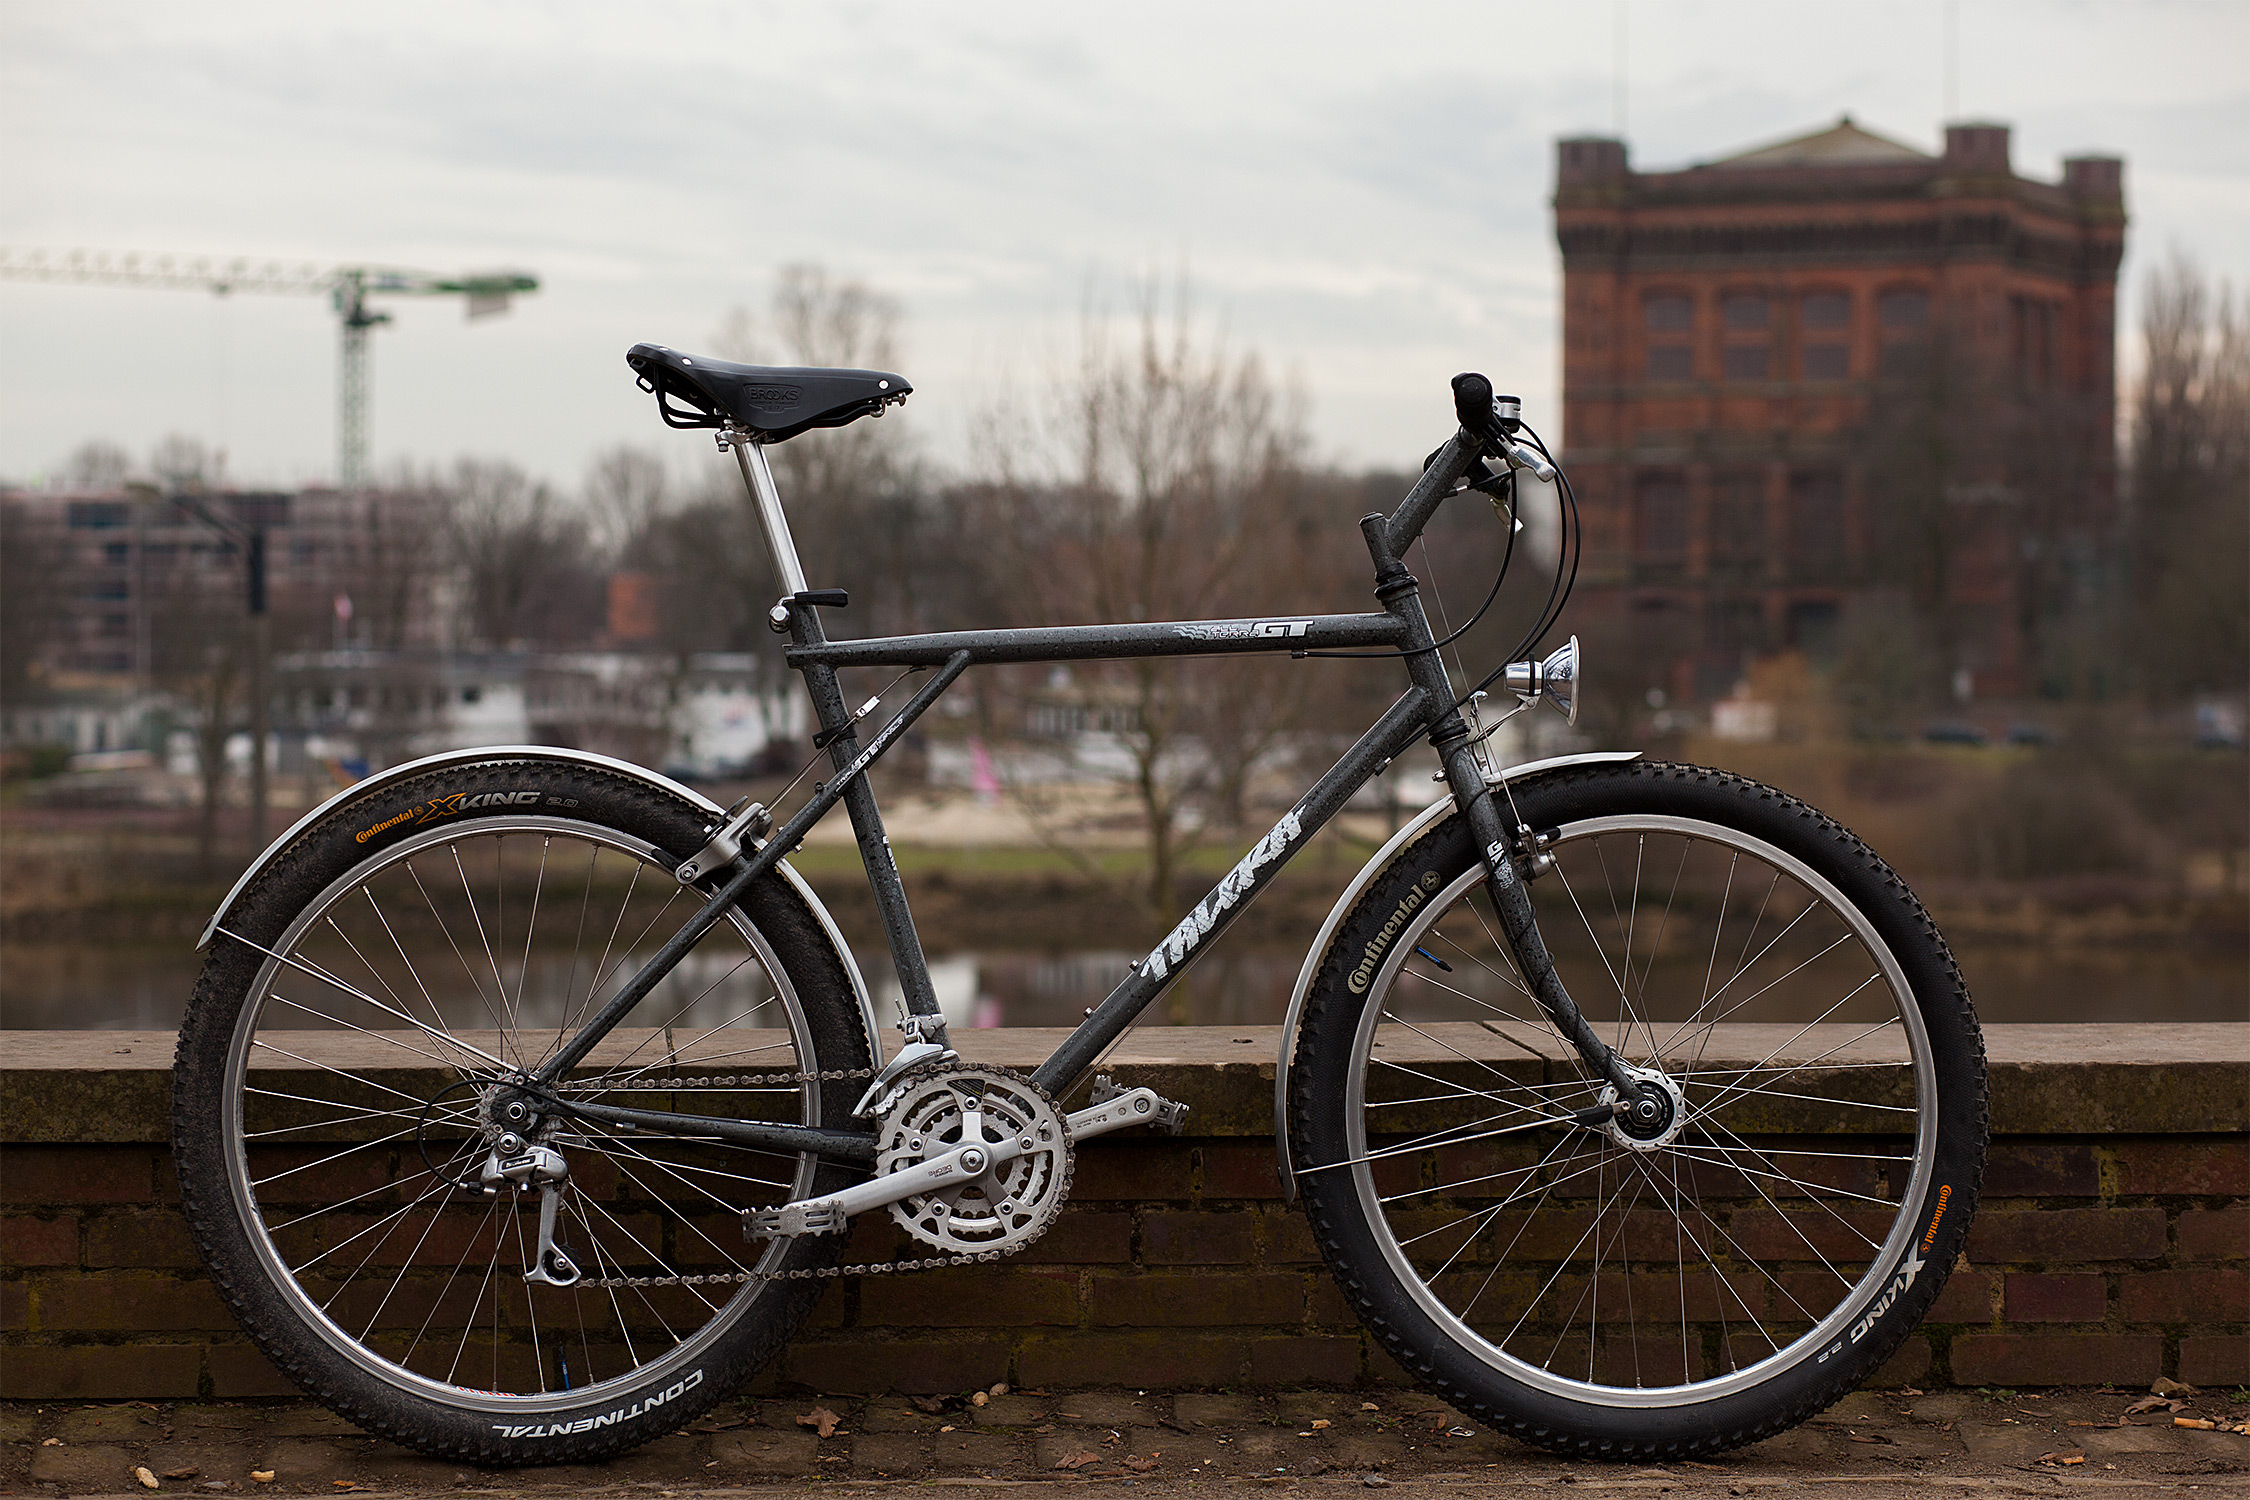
(346, 287)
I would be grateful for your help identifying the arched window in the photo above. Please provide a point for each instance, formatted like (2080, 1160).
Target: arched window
(1824, 332)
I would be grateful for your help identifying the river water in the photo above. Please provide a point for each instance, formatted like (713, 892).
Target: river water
(126, 987)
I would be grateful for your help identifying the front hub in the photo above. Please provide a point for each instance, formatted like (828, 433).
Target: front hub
(1649, 1118)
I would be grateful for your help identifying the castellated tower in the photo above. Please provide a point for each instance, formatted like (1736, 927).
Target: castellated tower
(1835, 390)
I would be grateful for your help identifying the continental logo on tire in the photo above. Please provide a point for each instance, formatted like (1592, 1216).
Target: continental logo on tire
(1371, 957)
(647, 1403)
(449, 805)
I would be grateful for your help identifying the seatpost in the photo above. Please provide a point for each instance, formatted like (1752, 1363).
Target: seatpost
(750, 457)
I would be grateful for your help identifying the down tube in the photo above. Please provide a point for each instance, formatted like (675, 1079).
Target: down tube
(1400, 725)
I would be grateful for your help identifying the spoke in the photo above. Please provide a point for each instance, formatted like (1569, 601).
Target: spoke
(1759, 1066)
(342, 1203)
(419, 983)
(564, 1011)
(385, 1088)
(499, 985)
(438, 1301)
(369, 964)
(1569, 1052)
(530, 926)
(454, 943)
(359, 994)
(1475, 1062)
(389, 1037)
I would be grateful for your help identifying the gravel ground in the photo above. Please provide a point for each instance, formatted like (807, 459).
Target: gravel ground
(1886, 1444)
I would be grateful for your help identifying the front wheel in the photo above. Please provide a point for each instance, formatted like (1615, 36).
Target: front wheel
(1664, 1289)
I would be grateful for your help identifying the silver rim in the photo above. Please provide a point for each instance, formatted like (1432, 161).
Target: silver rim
(350, 1106)
(1752, 1237)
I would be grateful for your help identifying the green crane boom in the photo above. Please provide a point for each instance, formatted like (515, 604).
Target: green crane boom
(346, 287)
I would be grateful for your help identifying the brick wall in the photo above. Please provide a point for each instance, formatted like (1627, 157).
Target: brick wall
(2111, 1246)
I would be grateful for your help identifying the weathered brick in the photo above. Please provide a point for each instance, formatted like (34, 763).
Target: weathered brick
(1288, 1238)
(2071, 1236)
(2057, 1358)
(2221, 1296)
(239, 1372)
(126, 1304)
(1245, 1169)
(1909, 1366)
(1214, 1299)
(1133, 1171)
(1967, 1298)
(160, 1372)
(2216, 1358)
(15, 1306)
(2215, 1233)
(1142, 1358)
(1198, 1239)
(1305, 1359)
(155, 1238)
(2035, 1168)
(1084, 1237)
(29, 1241)
(1326, 1305)
(1001, 1296)
(41, 1176)
(2184, 1165)
(2032, 1298)
(915, 1366)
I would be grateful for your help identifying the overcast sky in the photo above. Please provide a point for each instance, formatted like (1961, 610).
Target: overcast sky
(1359, 192)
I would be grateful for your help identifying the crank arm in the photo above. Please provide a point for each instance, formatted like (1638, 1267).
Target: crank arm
(1115, 1109)
(830, 1214)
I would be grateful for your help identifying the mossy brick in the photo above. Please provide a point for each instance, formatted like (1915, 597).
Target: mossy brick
(1218, 1409)
(148, 1372)
(240, 1372)
(1000, 1296)
(1325, 1303)
(43, 1240)
(1084, 1237)
(2215, 1233)
(2041, 1169)
(124, 1422)
(15, 1306)
(2071, 1236)
(98, 1467)
(2190, 1166)
(154, 1239)
(976, 1452)
(127, 1303)
(1240, 1169)
(2219, 1295)
(1211, 1299)
(1969, 1297)
(2033, 1297)
(1171, 1238)
(891, 1454)
(1141, 1358)
(1305, 1359)
(1133, 1171)
(2019, 1359)
(1013, 1409)
(915, 1366)
(1909, 1366)
(2213, 1359)
(1287, 1238)
(44, 1176)
(1110, 1409)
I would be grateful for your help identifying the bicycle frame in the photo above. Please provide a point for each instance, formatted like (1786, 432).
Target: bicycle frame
(1427, 707)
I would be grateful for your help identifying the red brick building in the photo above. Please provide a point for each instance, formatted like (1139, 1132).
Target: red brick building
(1837, 371)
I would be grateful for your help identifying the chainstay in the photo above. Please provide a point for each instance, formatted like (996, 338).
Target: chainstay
(802, 1273)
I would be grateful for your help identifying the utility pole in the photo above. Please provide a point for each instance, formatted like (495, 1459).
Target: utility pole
(250, 536)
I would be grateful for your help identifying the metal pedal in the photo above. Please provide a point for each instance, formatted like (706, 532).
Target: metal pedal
(1113, 1108)
(811, 1216)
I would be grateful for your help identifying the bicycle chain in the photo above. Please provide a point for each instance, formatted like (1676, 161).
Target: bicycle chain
(802, 1273)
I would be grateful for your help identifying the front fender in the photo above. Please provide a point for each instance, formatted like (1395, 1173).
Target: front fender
(641, 774)
(1435, 812)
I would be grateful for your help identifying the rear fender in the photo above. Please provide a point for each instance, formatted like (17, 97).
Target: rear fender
(561, 756)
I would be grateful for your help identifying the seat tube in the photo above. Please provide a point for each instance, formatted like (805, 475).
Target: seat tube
(867, 826)
(750, 457)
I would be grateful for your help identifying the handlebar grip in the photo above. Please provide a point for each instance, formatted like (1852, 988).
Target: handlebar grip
(1472, 403)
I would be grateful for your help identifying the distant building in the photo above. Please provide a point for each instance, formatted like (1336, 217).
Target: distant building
(1834, 370)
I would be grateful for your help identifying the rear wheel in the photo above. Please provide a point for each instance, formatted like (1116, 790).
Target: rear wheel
(344, 1070)
(1683, 1286)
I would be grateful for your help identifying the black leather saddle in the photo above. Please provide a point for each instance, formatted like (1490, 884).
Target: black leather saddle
(772, 401)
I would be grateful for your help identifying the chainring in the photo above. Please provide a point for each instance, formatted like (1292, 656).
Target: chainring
(937, 1109)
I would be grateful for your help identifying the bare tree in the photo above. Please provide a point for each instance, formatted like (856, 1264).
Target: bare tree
(627, 490)
(199, 652)
(97, 464)
(1161, 484)
(180, 462)
(525, 557)
(31, 599)
(2191, 486)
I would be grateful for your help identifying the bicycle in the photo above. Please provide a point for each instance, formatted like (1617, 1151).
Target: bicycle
(510, 1209)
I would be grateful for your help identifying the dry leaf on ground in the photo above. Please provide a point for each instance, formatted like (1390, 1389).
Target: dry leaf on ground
(821, 1418)
(1076, 1461)
(2154, 1403)
(147, 1479)
(1141, 1465)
